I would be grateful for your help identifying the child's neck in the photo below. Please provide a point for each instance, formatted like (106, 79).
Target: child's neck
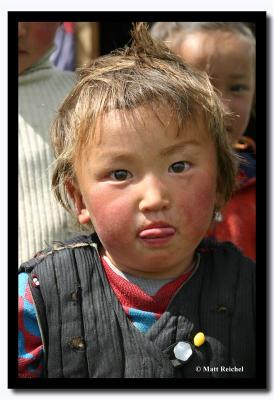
(150, 286)
(138, 273)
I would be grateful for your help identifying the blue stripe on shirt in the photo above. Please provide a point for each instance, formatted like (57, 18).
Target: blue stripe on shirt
(142, 320)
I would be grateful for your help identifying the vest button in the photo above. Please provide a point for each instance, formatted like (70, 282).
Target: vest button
(35, 280)
(183, 351)
(223, 309)
(199, 339)
(77, 343)
(75, 296)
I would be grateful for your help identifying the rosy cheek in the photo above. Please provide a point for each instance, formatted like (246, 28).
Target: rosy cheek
(112, 217)
(243, 109)
(196, 207)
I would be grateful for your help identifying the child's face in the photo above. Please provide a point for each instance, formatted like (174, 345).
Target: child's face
(229, 60)
(149, 192)
(34, 40)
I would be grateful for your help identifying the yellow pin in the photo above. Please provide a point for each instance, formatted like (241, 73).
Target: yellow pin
(199, 339)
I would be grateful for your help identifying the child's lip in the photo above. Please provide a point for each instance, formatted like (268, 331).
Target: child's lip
(157, 230)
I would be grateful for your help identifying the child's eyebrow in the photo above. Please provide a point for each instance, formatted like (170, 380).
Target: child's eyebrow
(115, 156)
(179, 146)
(238, 76)
(118, 156)
(232, 76)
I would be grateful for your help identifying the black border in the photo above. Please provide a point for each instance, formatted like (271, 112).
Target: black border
(259, 18)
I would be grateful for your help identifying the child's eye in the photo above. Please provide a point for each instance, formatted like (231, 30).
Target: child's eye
(179, 166)
(238, 88)
(120, 175)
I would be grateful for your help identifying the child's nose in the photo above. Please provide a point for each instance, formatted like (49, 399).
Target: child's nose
(155, 196)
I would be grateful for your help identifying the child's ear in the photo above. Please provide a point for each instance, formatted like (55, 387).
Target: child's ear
(77, 198)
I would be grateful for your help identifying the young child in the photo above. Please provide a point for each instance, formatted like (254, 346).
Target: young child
(143, 153)
(226, 51)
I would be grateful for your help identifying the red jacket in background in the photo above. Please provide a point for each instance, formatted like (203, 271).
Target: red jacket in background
(238, 223)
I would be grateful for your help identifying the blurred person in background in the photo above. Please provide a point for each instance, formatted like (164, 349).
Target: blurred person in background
(76, 44)
(63, 57)
(42, 88)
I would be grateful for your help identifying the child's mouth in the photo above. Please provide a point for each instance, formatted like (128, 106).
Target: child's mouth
(157, 234)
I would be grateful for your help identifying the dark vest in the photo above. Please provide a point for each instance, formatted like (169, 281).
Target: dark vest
(86, 333)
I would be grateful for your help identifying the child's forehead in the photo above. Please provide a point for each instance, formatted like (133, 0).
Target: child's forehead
(208, 49)
(209, 41)
(146, 120)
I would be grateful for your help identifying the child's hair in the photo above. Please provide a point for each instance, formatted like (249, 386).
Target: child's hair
(173, 33)
(145, 74)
